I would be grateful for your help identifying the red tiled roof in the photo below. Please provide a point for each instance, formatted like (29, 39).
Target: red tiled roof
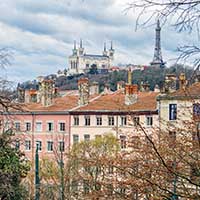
(60, 104)
(116, 102)
(104, 102)
(192, 91)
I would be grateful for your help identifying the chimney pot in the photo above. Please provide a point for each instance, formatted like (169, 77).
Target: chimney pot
(131, 94)
(83, 88)
(170, 83)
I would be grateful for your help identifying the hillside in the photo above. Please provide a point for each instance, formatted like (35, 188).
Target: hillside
(154, 76)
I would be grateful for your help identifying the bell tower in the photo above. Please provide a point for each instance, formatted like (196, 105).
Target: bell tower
(81, 49)
(111, 51)
(105, 53)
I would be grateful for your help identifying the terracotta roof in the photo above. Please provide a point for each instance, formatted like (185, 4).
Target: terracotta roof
(192, 91)
(105, 102)
(116, 102)
(60, 104)
(64, 103)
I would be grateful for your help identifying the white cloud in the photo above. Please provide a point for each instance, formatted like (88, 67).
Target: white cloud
(41, 34)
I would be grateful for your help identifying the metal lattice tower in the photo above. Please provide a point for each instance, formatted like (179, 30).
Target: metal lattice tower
(157, 59)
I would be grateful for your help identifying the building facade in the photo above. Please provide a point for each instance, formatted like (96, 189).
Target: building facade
(81, 62)
(179, 110)
(57, 122)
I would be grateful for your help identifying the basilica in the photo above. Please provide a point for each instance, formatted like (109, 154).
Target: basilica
(81, 62)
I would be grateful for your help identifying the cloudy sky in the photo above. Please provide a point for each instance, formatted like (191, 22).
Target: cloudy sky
(40, 34)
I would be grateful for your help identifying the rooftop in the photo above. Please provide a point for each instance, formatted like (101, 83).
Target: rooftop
(116, 102)
(109, 102)
(190, 92)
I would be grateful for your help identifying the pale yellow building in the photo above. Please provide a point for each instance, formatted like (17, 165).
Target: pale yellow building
(179, 111)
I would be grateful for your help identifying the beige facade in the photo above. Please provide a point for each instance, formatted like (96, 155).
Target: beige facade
(179, 110)
(119, 127)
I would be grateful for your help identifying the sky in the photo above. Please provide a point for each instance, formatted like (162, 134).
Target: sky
(41, 33)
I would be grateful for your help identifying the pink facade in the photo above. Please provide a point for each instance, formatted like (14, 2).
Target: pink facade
(49, 131)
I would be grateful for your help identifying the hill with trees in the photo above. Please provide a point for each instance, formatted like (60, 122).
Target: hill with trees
(154, 76)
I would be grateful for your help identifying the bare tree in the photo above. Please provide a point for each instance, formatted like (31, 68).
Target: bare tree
(183, 15)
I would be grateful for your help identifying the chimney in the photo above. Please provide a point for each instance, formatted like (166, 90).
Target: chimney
(106, 89)
(33, 95)
(26, 96)
(83, 88)
(145, 87)
(129, 76)
(46, 92)
(131, 94)
(182, 81)
(120, 85)
(170, 83)
(156, 88)
(94, 88)
(20, 94)
(131, 91)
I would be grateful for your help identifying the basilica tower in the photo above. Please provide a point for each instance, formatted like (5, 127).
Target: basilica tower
(157, 59)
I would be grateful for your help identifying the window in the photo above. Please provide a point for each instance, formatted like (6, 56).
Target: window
(1, 124)
(49, 126)
(87, 120)
(123, 141)
(87, 137)
(110, 169)
(17, 144)
(86, 186)
(75, 139)
(39, 145)
(76, 120)
(136, 121)
(172, 135)
(196, 110)
(196, 134)
(123, 121)
(111, 121)
(172, 111)
(39, 126)
(62, 146)
(74, 186)
(17, 126)
(122, 191)
(27, 126)
(61, 126)
(7, 125)
(27, 145)
(149, 120)
(49, 145)
(110, 189)
(99, 120)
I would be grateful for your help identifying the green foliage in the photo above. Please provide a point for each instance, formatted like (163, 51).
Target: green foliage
(152, 75)
(102, 145)
(13, 168)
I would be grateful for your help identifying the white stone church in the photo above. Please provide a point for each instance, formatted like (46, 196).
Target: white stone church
(80, 62)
